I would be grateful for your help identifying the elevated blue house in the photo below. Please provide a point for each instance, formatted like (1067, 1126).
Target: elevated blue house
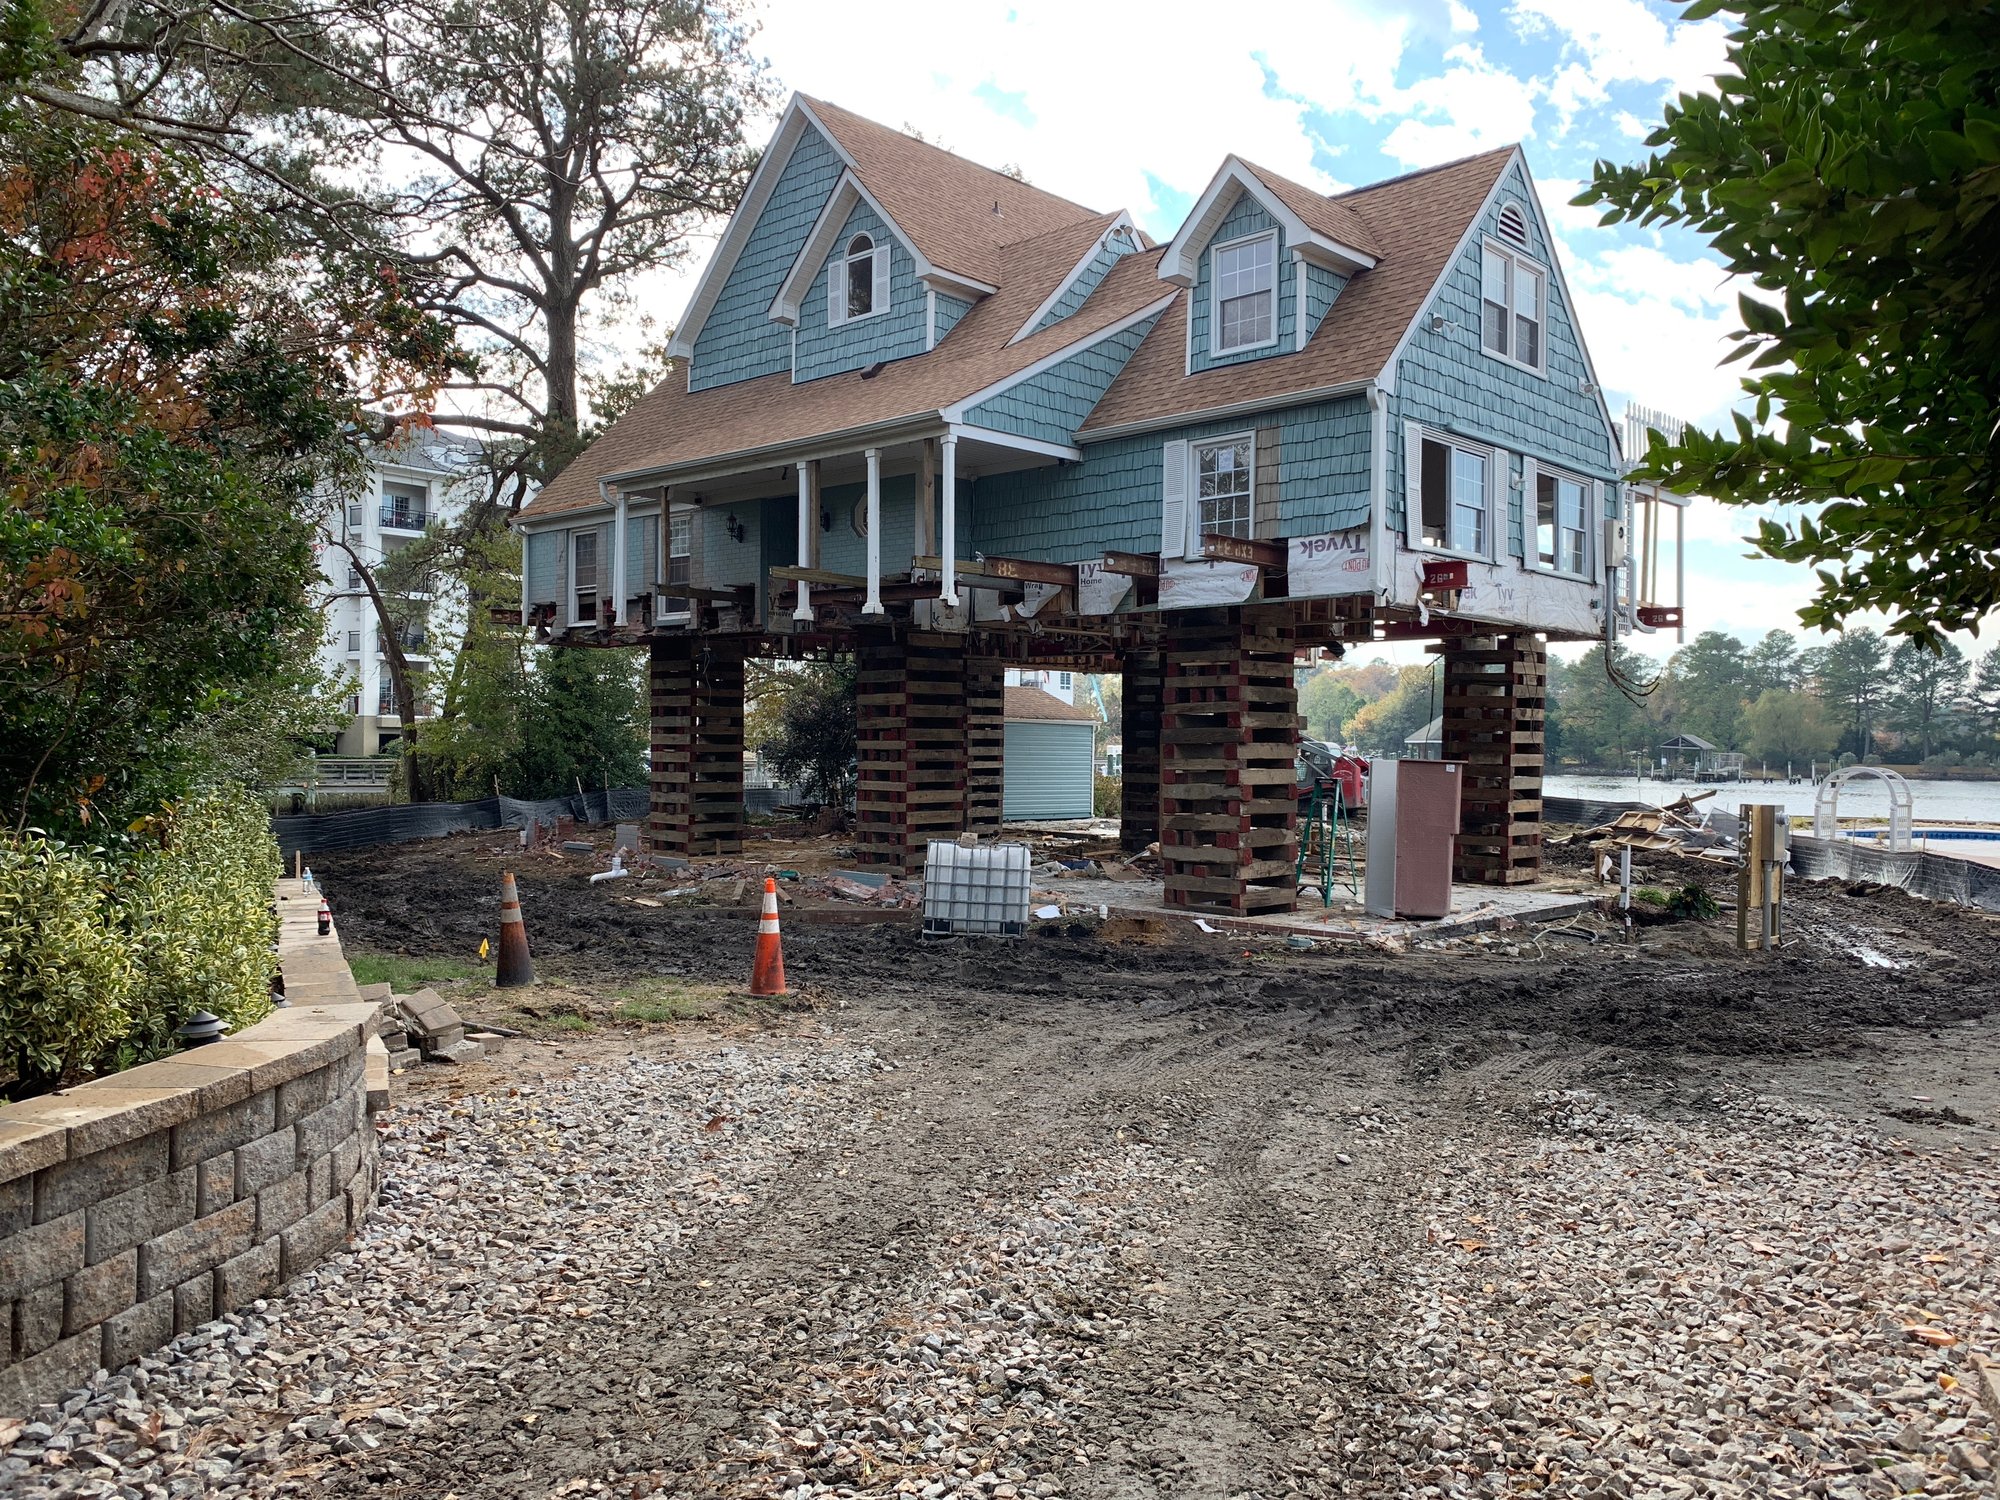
(928, 414)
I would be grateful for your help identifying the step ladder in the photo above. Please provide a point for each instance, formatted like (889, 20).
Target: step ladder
(1326, 843)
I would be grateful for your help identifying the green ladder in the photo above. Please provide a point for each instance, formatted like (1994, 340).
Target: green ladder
(1328, 831)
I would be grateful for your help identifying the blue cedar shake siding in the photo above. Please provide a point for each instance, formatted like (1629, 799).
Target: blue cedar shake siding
(724, 561)
(1446, 380)
(844, 550)
(1112, 498)
(642, 549)
(1323, 467)
(1246, 218)
(1052, 405)
(949, 311)
(739, 341)
(894, 334)
(1321, 287)
(1078, 291)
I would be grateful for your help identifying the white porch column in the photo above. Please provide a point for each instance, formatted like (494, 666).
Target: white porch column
(803, 614)
(948, 526)
(618, 561)
(872, 605)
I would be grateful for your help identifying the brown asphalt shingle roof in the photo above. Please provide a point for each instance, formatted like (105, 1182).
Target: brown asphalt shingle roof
(1411, 223)
(1333, 217)
(1038, 703)
(1417, 221)
(958, 212)
(675, 426)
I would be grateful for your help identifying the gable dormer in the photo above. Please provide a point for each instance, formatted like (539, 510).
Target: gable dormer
(1263, 260)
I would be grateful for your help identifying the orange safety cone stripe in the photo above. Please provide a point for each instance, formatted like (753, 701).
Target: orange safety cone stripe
(767, 969)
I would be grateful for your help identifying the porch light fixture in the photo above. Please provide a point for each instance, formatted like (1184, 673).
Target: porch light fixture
(735, 528)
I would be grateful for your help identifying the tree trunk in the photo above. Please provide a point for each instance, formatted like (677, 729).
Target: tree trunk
(399, 677)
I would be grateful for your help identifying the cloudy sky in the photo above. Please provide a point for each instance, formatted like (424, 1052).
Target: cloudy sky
(1120, 105)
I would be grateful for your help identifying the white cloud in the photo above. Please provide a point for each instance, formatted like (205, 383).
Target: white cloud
(1471, 106)
(1462, 17)
(1631, 126)
(1626, 41)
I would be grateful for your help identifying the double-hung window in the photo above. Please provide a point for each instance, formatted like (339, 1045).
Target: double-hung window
(1224, 486)
(1245, 310)
(1457, 495)
(680, 560)
(1562, 522)
(583, 577)
(1511, 296)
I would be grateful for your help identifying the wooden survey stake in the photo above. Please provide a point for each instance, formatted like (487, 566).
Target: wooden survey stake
(1765, 842)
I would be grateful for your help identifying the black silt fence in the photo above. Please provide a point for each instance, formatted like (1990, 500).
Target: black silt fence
(359, 828)
(1937, 877)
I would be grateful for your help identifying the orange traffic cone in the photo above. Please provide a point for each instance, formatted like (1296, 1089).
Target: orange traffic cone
(767, 973)
(515, 965)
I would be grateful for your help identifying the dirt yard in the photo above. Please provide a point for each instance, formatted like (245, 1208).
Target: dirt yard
(1133, 1211)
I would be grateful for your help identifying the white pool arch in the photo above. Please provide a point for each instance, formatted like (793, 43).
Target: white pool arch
(1902, 805)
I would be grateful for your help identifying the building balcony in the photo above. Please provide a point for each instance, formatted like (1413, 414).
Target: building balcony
(403, 518)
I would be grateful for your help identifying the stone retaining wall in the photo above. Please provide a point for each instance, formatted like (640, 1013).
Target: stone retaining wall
(139, 1206)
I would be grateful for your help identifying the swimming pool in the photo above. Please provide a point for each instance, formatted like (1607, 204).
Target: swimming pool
(1934, 835)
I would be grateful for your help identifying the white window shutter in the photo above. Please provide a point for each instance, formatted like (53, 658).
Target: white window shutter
(1173, 499)
(1531, 513)
(836, 283)
(1413, 483)
(1498, 475)
(882, 253)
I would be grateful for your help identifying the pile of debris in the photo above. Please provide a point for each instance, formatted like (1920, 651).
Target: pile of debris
(422, 1028)
(1677, 828)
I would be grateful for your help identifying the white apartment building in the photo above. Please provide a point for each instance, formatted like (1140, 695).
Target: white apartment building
(1056, 684)
(423, 476)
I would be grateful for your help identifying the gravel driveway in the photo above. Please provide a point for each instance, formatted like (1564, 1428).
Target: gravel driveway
(1199, 1226)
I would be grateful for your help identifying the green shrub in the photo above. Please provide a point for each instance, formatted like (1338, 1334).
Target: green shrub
(198, 904)
(1106, 796)
(1651, 895)
(1693, 903)
(104, 954)
(66, 964)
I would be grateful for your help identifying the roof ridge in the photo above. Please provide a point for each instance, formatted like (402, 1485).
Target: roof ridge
(815, 103)
(1069, 228)
(1443, 166)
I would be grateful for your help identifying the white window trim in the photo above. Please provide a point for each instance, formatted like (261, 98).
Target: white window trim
(1194, 447)
(1519, 259)
(1497, 478)
(837, 266)
(597, 564)
(1215, 349)
(665, 521)
(1531, 520)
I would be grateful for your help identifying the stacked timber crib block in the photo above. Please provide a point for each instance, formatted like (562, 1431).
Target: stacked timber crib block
(985, 743)
(1229, 731)
(914, 749)
(1495, 704)
(697, 703)
(142, 1205)
(1139, 774)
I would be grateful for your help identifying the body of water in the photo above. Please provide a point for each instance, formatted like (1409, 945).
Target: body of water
(1972, 802)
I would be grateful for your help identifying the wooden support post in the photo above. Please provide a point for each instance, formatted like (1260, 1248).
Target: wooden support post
(913, 751)
(1229, 731)
(1495, 702)
(697, 778)
(985, 741)
(1139, 736)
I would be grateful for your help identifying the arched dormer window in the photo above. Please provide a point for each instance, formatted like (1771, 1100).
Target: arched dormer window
(858, 282)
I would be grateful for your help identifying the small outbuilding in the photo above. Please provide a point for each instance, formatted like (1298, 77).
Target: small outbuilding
(1051, 757)
(1427, 743)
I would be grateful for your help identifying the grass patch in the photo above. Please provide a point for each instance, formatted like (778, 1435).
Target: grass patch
(404, 974)
(663, 1000)
(1652, 895)
(570, 1022)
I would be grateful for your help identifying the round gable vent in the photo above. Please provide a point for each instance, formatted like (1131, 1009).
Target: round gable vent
(1514, 224)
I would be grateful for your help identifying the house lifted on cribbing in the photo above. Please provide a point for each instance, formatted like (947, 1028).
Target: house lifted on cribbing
(935, 417)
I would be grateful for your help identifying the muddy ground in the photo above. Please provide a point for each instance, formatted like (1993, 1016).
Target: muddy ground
(1316, 1106)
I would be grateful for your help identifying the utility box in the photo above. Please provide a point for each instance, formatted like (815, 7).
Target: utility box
(1412, 828)
(978, 888)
